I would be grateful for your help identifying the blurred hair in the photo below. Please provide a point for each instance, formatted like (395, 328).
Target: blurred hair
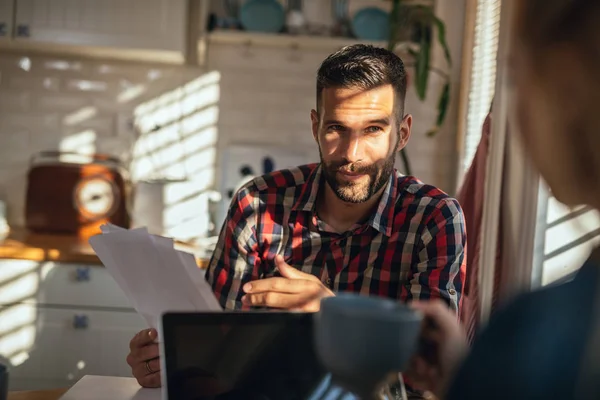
(542, 24)
(544, 29)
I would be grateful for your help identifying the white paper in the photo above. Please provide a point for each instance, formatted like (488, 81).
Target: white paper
(155, 277)
(92, 387)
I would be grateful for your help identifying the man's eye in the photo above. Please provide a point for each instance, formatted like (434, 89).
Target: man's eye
(373, 129)
(335, 128)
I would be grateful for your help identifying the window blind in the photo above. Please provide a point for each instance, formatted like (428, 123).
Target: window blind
(483, 74)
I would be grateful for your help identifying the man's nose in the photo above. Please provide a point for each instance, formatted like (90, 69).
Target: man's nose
(352, 148)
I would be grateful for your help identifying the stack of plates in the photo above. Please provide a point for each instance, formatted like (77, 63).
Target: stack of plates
(262, 16)
(371, 23)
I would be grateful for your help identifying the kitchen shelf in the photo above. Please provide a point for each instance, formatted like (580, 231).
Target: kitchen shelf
(303, 42)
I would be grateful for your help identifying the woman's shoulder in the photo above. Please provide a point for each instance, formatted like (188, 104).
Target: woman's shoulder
(532, 347)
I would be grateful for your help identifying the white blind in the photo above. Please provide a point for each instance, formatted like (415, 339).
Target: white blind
(483, 74)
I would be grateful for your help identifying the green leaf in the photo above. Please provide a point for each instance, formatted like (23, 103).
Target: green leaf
(393, 38)
(422, 64)
(443, 104)
(426, 15)
(441, 28)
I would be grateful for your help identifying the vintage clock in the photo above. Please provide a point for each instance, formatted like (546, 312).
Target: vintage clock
(71, 194)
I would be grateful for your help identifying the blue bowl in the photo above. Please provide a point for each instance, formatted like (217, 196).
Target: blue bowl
(362, 340)
(262, 16)
(371, 23)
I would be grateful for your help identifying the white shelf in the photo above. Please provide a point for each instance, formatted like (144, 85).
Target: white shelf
(293, 41)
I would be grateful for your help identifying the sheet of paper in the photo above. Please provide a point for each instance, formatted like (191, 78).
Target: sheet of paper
(197, 276)
(92, 387)
(154, 276)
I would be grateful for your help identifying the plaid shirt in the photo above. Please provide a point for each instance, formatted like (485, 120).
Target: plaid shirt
(412, 247)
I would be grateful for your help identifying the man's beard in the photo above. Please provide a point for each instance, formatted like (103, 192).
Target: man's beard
(378, 175)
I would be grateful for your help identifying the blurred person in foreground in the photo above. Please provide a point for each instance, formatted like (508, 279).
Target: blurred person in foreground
(546, 344)
(350, 223)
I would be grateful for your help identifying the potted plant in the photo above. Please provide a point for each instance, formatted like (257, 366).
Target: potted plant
(416, 23)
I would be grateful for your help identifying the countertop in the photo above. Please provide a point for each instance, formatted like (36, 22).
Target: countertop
(53, 394)
(21, 244)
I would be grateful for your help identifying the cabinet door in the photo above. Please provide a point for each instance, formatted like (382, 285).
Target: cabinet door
(58, 284)
(80, 285)
(56, 347)
(131, 24)
(6, 19)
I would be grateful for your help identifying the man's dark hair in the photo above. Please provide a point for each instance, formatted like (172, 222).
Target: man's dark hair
(366, 67)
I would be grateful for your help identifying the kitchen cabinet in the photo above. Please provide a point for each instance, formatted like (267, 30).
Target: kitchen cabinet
(61, 321)
(153, 29)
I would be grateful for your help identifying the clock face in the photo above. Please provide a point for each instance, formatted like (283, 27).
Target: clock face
(96, 198)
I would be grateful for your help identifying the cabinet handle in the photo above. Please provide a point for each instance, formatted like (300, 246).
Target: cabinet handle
(80, 321)
(82, 274)
(3, 31)
(23, 30)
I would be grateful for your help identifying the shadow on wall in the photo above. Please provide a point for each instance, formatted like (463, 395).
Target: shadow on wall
(174, 159)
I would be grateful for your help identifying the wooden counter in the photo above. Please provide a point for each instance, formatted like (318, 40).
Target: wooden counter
(21, 244)
(53, 394)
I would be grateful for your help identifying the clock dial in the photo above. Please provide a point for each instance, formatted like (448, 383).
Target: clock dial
(95, 198)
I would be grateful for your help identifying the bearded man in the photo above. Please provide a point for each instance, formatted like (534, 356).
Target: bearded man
(350, 223)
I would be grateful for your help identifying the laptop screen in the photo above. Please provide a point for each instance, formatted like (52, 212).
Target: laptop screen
(240, 355)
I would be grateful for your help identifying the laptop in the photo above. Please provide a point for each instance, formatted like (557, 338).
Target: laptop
(240, 355)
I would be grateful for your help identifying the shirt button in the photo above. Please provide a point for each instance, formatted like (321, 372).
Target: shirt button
(328, 282)
(452, 292)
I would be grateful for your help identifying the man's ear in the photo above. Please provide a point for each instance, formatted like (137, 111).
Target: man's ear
(314, 121)
(405, 129)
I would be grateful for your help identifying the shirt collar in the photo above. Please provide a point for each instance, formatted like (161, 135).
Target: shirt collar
(383, 218)
(308, 196)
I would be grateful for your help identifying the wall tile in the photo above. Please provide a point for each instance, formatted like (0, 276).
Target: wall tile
(60, 102)
(104, 124)
(41, 83)
(86, 85)
(18, 142)
(14, 100)
(34, 121)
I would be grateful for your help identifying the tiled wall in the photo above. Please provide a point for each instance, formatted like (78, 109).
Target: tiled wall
(260, 96)
(51, 103)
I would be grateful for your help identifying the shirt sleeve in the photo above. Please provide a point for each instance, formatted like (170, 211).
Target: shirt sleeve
(235, 259)
(440, 270)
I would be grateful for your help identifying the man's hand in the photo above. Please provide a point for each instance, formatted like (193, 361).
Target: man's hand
(143, 358)
(295, 290)
(445, 346)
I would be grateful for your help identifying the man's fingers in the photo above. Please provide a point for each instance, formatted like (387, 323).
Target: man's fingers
(277, 300)
(150, 381)
(143, 338)
(147, 352)
(140, 370)
(281, 285)
(438, 312)
(289, 272)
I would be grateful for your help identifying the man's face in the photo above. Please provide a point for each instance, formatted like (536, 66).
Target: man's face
(358, 136)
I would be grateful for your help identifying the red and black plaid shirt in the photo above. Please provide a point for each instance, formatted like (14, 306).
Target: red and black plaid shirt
(412, 247)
